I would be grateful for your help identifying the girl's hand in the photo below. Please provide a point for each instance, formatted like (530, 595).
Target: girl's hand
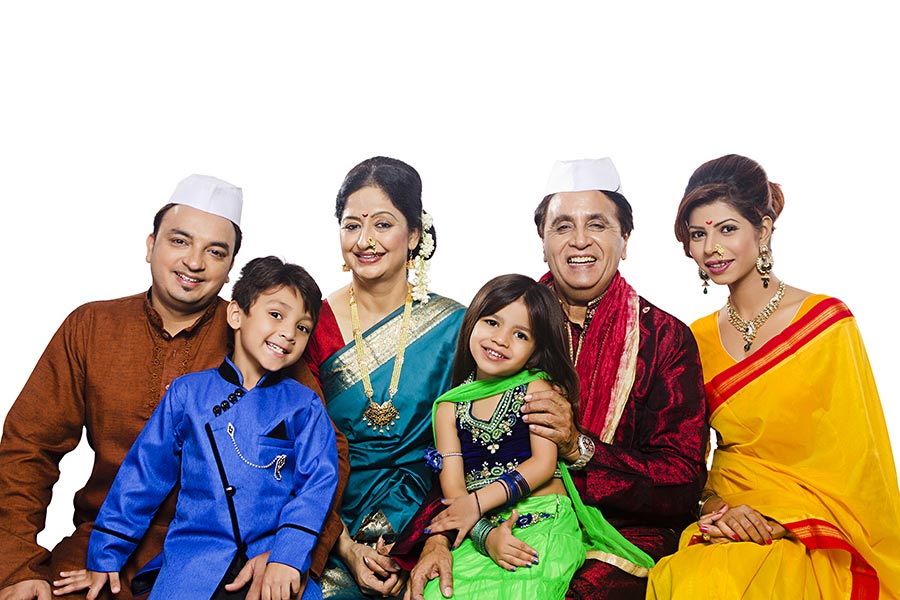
(739, 524)
(461, 514)
(280, 582)
(507, 550)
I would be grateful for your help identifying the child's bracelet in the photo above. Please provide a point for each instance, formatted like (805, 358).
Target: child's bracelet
(480, 533)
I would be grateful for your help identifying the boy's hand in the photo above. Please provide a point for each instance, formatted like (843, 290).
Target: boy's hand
(98, 580)
(507, 550)
(461, 514)
(280, 582)
(73, 581)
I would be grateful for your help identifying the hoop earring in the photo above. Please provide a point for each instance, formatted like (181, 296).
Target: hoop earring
(704, 277)
(764, 264)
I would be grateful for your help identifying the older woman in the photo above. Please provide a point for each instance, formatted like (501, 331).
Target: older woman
(382, 350)
(802, 497)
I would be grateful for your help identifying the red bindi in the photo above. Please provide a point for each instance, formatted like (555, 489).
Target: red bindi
(708, 222)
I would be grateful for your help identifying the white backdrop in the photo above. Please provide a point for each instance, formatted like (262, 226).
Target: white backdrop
(104, 106)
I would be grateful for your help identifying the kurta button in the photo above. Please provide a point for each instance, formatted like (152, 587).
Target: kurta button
(229, 491)
(238, 392)
(167, 385)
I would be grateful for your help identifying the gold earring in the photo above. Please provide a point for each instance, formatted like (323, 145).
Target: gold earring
(345, 268)
(764, 264)
(704, 277)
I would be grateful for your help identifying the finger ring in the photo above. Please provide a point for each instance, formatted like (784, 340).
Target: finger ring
(705, 537)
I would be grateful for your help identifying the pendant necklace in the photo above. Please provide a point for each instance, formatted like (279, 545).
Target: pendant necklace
(749, 329)
(381, 416)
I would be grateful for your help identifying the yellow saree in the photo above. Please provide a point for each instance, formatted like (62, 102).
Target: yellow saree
(801, 439)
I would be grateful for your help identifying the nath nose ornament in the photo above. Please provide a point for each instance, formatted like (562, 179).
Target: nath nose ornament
(719, 250)
(371, 243)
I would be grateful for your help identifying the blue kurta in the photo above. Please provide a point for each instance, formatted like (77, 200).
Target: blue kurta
(205, 418)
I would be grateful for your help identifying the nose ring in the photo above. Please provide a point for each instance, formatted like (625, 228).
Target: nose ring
(719, 250)
(371, 243)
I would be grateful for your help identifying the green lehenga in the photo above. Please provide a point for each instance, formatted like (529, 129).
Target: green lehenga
(562, 530)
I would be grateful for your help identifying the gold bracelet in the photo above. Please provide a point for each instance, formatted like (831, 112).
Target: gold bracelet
(702, 502)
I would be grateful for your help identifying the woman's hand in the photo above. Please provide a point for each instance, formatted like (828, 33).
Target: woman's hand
(506, 549)
(549, 415)
(461, 514)
(739, 524)
(375, 573)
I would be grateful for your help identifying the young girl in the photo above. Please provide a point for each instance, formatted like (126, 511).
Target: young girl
(501, 483)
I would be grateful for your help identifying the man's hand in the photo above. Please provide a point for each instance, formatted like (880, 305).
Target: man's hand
(435, 561)
(30, 589)
(549, 415)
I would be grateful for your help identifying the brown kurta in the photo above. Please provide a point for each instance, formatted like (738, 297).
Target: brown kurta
(105, 370)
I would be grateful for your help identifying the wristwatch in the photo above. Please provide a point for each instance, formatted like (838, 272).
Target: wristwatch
(586, 448)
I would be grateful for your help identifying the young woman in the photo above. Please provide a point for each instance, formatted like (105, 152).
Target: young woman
(802, 498)
(501, 482)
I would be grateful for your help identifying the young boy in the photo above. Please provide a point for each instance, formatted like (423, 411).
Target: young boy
(254, 452)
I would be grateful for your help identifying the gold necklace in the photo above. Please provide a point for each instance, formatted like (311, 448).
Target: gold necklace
(749, 329)
(381, 416)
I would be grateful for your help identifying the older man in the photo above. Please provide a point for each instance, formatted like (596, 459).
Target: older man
(643, 413)
(105, 370)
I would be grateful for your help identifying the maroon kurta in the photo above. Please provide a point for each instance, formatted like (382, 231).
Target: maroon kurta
(105, 370)
(648, 480)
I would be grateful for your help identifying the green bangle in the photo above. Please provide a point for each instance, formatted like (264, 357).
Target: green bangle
(479, 535)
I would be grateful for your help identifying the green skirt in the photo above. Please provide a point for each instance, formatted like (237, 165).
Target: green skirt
(556, 539)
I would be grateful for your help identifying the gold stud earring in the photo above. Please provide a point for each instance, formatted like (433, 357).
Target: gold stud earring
(345, 268)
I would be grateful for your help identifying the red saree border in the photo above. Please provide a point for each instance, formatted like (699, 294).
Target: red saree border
(817, 534)
(819, 318)
(822, 535)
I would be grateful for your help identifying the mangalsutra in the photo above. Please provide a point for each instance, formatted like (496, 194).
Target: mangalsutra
(749, 329)
(381, 416)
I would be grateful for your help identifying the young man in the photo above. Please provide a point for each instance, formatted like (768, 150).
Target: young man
(254, 452)
(105, 370)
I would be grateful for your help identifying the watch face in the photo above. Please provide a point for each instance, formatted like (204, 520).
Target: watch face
(585, 444)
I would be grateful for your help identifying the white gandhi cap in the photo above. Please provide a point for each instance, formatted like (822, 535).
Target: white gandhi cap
(211, 195)
(583, 175)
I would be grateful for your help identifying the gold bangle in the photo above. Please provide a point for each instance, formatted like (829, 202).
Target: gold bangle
(702, 502)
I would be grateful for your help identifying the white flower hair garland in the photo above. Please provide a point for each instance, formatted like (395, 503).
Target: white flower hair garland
(420, 265)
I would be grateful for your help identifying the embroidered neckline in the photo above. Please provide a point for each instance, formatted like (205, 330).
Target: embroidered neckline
(506, 413)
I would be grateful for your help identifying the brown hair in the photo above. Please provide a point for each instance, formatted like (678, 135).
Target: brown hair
(736, 180)
(548, 326)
